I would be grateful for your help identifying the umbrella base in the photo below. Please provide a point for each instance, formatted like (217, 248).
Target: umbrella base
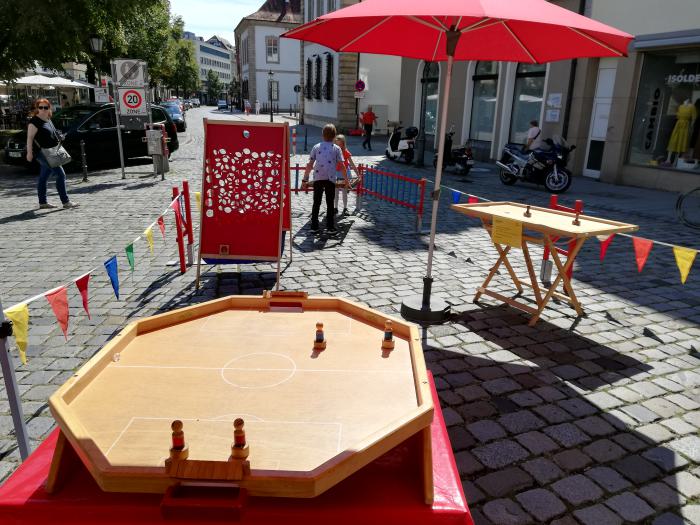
(435, 312)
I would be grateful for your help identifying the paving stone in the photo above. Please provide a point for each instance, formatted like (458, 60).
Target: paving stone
(654, 433)
(662, 407)
(550, 393)
(506, 512)
(603, 400)
(629, 442)
(460, 438)
(571, 460)
(665, 458)
(661, 496)
(630, 507)
(594, 426)
(472, 493)
(501, 385)
(567, 434)
(689, 446)
(636, 469)
(685, 483)
(683, 401)
(578, 407)
(526, 399)
(543, 470)
(647, 389)
(679, 426)
(668, 518)
(537, 442)
(609, 479)
(597, 515)
(504, 482)
(552, 413)
(467, 463)
(521, 421)
(640, 413)
(691, 513)
(498, 454)
(542, 504)
(604, 450)
(577, 489)
(564, 520)
(486, 430)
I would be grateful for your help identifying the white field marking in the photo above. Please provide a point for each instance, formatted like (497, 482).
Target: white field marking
(217, 368)
(291, 370)
(219, 420)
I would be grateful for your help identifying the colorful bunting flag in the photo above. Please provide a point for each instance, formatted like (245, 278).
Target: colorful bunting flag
(161, 225)
(19, 315)
(455, 196)
(178, 212)
(604, 243)
(58, 299)
(82, 284)
(198, 198)
(642, 248)
(684, 260)
(113, 272)
(148, 233)
(130, 256)
(472, 200)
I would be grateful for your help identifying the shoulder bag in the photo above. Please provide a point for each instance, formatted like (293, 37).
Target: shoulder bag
(57, 155)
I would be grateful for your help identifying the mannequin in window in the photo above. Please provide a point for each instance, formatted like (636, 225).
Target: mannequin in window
(695, 137)
(678, 143)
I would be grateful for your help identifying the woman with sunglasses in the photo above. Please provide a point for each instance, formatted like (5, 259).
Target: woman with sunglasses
(41, 133)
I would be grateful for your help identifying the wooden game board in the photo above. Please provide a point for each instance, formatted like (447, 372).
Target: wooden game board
(312, 417)
(550, 225)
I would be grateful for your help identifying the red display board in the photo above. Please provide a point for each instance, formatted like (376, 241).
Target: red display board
(246, 174)
(388, 490)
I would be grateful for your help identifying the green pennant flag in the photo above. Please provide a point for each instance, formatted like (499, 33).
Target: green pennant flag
(130, 255)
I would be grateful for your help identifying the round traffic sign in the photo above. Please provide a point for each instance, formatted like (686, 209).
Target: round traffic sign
(297, 88)
(359, 85)
(132, 99)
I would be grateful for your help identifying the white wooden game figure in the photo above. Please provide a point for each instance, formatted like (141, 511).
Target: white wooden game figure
(320, 341)
(179, 449)
(388, 341)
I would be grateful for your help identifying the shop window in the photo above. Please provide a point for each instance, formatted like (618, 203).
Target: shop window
(272, 47)
(666, 127)
(527, 99)
(317, 78)
(274, 90)
(308, 88)
(328, 85)
(431, 82)
(485, 81)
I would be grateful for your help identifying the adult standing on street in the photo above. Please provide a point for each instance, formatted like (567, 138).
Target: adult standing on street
(368, 119)
(41, 133)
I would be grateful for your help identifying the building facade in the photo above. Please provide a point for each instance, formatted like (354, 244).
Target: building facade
(214, 54)
(268, 66)
(630, 118)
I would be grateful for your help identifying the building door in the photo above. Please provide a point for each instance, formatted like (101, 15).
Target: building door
(484, 97)
(431, 85)
(599, 117)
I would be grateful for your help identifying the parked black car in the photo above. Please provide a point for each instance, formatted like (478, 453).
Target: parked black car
(96, 125)
(176, 114)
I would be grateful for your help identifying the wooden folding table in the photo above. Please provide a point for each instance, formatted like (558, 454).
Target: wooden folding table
(507, 223)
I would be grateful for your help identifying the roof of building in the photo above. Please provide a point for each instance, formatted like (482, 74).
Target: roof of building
(285, 11)
(223, 41)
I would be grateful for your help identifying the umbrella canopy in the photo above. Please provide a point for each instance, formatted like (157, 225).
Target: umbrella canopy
(502, 30)
(42, 80)
(533, 31)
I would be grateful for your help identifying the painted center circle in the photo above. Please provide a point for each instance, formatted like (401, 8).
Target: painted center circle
(258, 370)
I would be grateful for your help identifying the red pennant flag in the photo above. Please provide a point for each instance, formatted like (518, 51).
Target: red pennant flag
(604, 246)
(472, 200)
(161, 225)
(58, 299)
(642, 248)
(82, 284)
(176, 209)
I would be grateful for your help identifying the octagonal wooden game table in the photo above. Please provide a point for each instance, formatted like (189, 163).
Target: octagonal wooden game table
(507, 224)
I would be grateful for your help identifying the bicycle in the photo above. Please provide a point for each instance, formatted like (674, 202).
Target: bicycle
(688, 208)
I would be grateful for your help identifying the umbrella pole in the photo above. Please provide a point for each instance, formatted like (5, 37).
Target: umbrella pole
(424, 308)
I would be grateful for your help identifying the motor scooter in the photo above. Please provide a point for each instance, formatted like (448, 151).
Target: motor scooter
(402, 148)
(541, 166)
(461, 157)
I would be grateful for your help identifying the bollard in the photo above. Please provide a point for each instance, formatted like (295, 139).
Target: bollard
(83, 158)
(306, 136)
(188, 222)
(179, 234)
(294, 141)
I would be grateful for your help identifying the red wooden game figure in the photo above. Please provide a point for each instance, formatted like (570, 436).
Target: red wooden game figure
(320, 341)
(388, 341)
(239, 448)
(527, 212)
(179, 449)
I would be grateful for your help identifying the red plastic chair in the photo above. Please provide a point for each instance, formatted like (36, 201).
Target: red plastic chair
(546, 269)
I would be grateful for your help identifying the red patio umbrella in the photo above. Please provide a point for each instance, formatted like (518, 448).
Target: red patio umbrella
(533, 31)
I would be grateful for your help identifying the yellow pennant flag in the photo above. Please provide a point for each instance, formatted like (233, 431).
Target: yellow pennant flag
(149, 237)
(19, 315)
(684, 260)
(198, 198)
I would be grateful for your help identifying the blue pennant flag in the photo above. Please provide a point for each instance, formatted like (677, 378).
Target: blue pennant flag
(455, 196)
(113, 272)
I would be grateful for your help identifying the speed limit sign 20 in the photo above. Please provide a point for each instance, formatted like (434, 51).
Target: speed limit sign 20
(132, 101)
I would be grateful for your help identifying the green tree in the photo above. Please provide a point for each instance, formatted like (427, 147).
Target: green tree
(185, 72)
(214, 85)
(133, 28)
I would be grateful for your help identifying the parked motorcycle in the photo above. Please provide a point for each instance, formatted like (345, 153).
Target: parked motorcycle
(461, 157)
(542, 166)
(402, 147)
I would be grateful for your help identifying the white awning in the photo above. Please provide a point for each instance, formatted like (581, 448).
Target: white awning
(42, 80)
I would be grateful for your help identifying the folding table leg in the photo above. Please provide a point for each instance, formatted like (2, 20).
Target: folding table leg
(531, 272)
(503, 255)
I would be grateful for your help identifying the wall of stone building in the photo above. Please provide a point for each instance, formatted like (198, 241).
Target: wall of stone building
(641, 17)
(580, 115)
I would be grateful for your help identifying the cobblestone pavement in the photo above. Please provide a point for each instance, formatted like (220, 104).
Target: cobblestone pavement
(592, 421)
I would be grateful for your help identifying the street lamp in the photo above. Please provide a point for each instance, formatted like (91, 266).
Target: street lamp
(96, 47)
(270, 74)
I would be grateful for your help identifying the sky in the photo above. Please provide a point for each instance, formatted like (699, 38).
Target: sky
(206, 18)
